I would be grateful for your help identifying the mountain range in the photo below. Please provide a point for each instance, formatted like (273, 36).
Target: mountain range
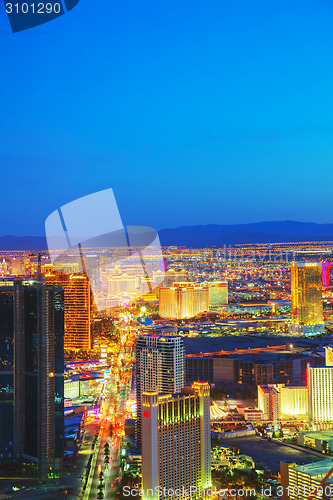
(210, 235)
(257, 232)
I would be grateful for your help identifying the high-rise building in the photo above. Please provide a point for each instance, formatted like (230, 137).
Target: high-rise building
(306, 299)
(278, 401)
(77, 309)
(294, 402)
(329, 355)
(34, 314)
(122, 284)
(176, 445)
(320, 390)
(218, 294)
(17, 265)
(269, 402)
(160, 364)
(6, 370)
(183, 300)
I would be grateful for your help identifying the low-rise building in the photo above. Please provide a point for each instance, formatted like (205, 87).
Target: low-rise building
(253, 415)
(259, 366)
(299, 482)
(320, 440)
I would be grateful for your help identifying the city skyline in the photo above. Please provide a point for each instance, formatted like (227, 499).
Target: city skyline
(128, 368)
(166, 250)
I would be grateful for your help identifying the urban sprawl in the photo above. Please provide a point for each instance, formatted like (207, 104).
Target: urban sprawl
(207, 373)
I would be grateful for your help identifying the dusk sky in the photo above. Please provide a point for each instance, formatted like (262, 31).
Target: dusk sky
(194, 112)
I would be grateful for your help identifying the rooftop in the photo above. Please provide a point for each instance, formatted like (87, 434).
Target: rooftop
(320, 468)
(323, 435)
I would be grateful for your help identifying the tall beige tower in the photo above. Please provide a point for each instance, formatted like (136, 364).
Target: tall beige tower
(176, 445)
(320, 390)
(160, 366)
(183, 300)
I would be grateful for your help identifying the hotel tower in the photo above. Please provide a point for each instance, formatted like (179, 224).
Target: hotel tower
(176, 445)
(160, 364)
(77, 308)
(306, 299)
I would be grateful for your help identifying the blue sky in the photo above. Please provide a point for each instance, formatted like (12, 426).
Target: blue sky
(194, 112)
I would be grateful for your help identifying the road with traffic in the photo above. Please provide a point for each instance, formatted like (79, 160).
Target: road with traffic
(105, 474)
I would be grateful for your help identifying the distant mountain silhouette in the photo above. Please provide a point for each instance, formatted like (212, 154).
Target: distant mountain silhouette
(210, 235)
(31, 243)
(257, 232)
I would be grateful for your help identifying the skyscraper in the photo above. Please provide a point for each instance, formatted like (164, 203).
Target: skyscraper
(278, 401)
(176, 445)
(320, 390)
(6, 370)
(17, 265)
(218, 293)
(329, 355)
(122, 284)
(160, 364)
(183, 300)
(77, 309)
(306, 299)
(35, 323)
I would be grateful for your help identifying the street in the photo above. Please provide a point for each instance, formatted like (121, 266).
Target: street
(113, 416)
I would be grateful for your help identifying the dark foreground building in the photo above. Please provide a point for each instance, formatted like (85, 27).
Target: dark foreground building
(6, 371)
(34, 357)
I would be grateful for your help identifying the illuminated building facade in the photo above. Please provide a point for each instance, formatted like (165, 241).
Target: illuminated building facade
(327, 266)
(269, 402)
(183, 300)
(306, 299)
(301, 481)
(218, 293)
(176, 444)
(278, 401)
(66, 268)
(34, 314)
(168, 307)
(122, 284)
(77, 309)
(329, 355)
(320, 390)
(160, 363)
(293, 402)
(17, 265)
(319, 440)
